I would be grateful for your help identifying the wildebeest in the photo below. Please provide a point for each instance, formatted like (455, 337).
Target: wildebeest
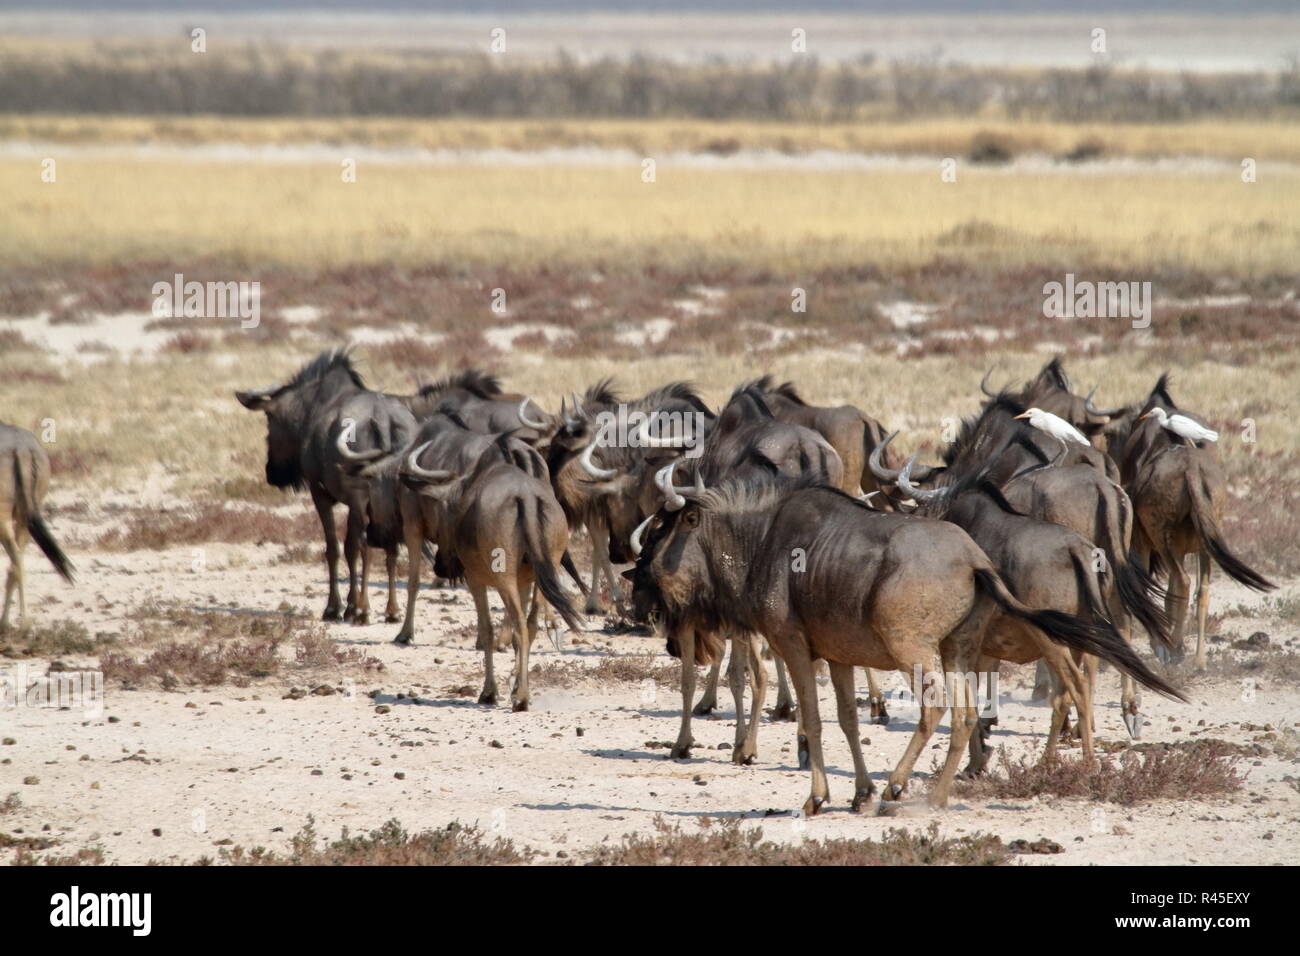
(24, 482)
(321, 424)
(746, 441)
(1179, 493)
(1051, 390)
(855, 587)
(507, 532)
(476, 398)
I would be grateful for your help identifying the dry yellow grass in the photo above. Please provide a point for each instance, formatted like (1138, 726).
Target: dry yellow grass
(114, 210)
(1265, 141)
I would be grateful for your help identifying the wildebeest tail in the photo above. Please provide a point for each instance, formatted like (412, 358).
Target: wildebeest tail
(25, 486)
(540, 558)
(1097, 637)
(566, 562)
(1207, 529)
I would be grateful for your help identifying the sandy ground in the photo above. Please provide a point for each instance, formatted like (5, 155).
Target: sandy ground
(171, 775)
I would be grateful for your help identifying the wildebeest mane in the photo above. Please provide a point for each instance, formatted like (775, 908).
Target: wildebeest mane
(475, 381)
(323, 364)
(602, 393)
(1004, 401)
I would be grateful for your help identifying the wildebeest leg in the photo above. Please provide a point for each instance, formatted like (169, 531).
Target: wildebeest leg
(486, 643)
(979, 740)
(709, 701)
(747, 752)
(325, 510)
(414, 536)
(390, 565)
(879, 715)
(784, 709)
(960, 654)
(14, 576)
(1202, 607)
(353, 543)
(846, 704)
(1042, 681)
(599, 536)
(363, 590)
(1180, 589)
(805, 688)
(514, 597)
(737, 672)
(685, 640)
(917, 665)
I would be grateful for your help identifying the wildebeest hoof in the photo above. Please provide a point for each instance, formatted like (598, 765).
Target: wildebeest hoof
(392, 618)
(680, 752)
(882, 718)
(889, 808)
(331, 614)
(813, 806)
(702, 710)
(972, 770)
(487, 697)
(742, 759)
(862, 798)
(360, 618)
(783, 711)
(403, 640)
(519, 706)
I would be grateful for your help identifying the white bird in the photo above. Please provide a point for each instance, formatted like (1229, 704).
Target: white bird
(1182, 426)
(1054, 425)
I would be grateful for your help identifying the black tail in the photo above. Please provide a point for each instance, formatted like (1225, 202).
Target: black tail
(543, 569)
(1208, 531)
(566, 562)
(36, 525)
(1091, 637)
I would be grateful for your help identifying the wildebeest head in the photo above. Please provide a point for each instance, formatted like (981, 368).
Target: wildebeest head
(1052, 391)
(288, 404)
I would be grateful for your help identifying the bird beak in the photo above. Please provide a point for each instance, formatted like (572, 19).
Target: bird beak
(1025, 415)
(1147, 415)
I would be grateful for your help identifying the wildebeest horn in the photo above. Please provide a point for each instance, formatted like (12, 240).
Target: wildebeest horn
(350, 455)
(591, 468)
(439, 475)
(984, 385)
(877, 465)
(523, 417)
(905, 484)
(673, 499)
(636, 535)
(1094, 410)
(644, 439)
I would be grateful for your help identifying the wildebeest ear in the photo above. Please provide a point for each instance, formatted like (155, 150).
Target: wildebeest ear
(254, 401)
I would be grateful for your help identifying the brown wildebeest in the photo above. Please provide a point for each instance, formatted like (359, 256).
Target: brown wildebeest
(507, 532)
(1071, 489)
(24, 482)
(1051, 390)
(822, 576)
(320, 425)
(747, 441)
(1179, 494)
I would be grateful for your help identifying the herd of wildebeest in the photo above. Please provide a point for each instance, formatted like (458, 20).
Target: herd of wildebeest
(1049, 526)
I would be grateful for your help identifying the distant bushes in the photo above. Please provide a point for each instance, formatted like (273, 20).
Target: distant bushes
(261, 81)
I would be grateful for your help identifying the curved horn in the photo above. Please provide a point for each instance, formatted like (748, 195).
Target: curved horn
(591, 468)
(424, 473)
(984, 385)
(350, 455)
(906, 487)
(673, 500)
(877, 464)
(636, 535)
(1094, 410)
(523, 417)
(645, 441)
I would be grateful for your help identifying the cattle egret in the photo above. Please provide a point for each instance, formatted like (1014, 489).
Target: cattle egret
(1054, 425)
(1182, 426)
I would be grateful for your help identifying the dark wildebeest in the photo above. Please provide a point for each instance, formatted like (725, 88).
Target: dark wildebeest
(747, 441)
(1051, 390)
(854, 587)
(507, 532)
(1045, 565)
(476, 398)
(1179, 493)
(605, 485)
(1068, 484)
(442, 442)
(24, 482)
(321, 424)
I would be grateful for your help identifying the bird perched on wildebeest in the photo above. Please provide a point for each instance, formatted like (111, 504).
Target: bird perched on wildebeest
(1054, 425)
(1182, 426)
